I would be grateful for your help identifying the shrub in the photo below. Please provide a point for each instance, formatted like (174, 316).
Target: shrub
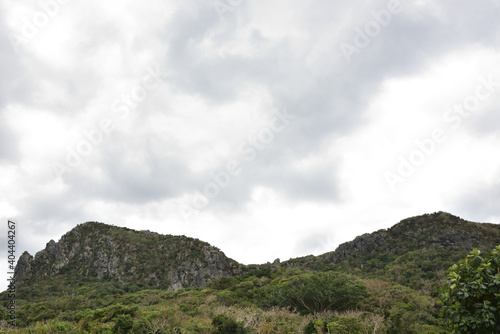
(226, 325)
(310, 328)
(319, 292)
(123, 324)
(346, 325)
(471, 296)
(112, 311)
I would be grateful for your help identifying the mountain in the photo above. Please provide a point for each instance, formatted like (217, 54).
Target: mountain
(415, 252)
(412, 252)
(114, 253)
(106, 279)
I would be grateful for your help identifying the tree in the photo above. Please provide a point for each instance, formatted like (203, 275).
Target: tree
(319, 292)
(123, 324)
(226, 325)
(471, 295)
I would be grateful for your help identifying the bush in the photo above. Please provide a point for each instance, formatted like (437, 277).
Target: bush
(123, 324)
(471, 296)
(53, 327)
(112, 311)
(226, 325)
(346, 325)
(310, 328)
(223, 283)
(319, 292)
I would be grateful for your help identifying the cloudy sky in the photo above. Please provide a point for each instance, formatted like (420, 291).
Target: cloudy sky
(270, 129)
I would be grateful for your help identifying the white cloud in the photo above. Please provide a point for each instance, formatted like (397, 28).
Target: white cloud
(318, 182)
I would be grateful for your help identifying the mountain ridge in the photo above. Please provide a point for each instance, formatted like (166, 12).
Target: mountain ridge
(100, 278)
(94, 249)
(104, 251)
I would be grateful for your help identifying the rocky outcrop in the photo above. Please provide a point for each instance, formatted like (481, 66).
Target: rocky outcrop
(23, 271)
(174, 262)
(139, 257)
(439, 231)
(431, 231)
(360, 245)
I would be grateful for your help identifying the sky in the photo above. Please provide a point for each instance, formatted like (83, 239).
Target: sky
(272, 129)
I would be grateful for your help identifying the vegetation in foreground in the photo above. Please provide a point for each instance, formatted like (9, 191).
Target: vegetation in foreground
(283, 301)
(385, 282)
(471, 297)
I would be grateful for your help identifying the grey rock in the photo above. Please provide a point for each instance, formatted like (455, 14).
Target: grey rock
(87, 251)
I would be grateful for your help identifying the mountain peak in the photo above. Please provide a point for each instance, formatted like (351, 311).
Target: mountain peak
(435, 231)
(94, 249)
(98, 250)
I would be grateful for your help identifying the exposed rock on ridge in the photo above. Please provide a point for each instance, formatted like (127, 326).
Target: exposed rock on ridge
(98, 250)
(432, 231)
(173, 262)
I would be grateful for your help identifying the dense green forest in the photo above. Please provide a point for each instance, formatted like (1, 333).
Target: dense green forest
(385, 282)
(283, 301)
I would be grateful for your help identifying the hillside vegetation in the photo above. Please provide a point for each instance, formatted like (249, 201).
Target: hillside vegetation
(105, 279)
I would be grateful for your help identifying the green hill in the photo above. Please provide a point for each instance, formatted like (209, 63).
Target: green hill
(148, 259)
(107, 279)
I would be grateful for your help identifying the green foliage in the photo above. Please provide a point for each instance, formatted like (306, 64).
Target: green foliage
(471, 296)
(226, 325)
(351, 322)
(417, 251)
(408, 318)
(319, 292)
(310, 328)
(113, 311)
(266, 304)
(123, 324)
(386, 284)
(132, 255)
(224, 283)
(346, 325)
(52, 327)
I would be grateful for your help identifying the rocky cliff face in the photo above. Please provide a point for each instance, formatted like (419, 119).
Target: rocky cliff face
(431, 231)
(108, 252)
(437, 231)
(174, 262)
(362, 244)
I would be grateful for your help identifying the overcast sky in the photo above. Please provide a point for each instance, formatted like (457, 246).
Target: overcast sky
(269, 129)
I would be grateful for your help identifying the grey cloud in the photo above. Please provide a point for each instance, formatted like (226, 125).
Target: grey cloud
(41, 206)
(13, 88)
(327, 105)
(268, 170)
(131, 171)
(313, 243)
(328, 96)
(484, 125)
(480, 203)
(8, 143)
